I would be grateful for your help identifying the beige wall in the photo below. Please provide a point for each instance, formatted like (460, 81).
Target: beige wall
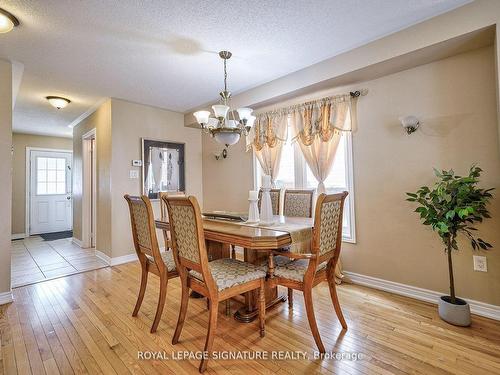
(455, 99)
(131, 122)
(20, 142)
(120, 126)
(5, 172)
(101, 121)
(220, 193)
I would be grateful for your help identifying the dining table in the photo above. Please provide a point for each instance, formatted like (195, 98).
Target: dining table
(258, 241)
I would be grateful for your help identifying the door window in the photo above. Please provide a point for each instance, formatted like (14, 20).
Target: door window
(51, 175)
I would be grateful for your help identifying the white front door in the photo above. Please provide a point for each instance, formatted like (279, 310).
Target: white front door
(50, 192)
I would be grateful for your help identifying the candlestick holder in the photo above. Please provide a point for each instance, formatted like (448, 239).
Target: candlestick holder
(266, 207)
(253, 211)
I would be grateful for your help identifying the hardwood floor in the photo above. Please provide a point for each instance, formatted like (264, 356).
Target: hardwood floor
(82, 324)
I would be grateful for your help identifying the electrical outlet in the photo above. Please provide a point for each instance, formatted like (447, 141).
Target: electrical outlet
(133, 174)
(480, 263)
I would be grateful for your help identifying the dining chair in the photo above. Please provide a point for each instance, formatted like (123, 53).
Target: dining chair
(217, 280)
(298, 203)
(275, 200)
(161, 264)
(306, 271)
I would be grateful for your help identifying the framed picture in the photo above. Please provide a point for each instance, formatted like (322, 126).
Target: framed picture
(163, 167)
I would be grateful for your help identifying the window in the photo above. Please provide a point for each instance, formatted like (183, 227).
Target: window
(295, 174)
(51, 175)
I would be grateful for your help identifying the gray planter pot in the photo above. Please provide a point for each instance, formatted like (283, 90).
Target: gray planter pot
(457, 314)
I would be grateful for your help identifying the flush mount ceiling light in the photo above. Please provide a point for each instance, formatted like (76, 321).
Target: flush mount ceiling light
(58, 102)
(7, 21)
(224, 127)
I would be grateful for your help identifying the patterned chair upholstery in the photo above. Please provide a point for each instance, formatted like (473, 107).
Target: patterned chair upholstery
(275, 200)
(164, 213)
(229, 272)
(167, 258)
(298, 203)
(295, 269)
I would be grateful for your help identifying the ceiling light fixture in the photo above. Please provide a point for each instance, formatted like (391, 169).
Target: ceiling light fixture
(224, 127)
(58, 101)
(7, 21)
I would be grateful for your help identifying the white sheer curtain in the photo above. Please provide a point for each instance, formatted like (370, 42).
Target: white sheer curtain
(317, 127)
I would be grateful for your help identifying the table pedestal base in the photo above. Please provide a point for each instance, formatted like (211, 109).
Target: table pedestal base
(244, 315)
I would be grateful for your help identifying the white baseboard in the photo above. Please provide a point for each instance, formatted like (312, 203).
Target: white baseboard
(76, 241)
(123, 259)
(6, 297)
(106, 259)
(117, 260)
(477, 307)
(18, 236)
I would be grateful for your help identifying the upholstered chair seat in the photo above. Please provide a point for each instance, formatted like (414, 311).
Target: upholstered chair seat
(168, 259)
(279, 260)
(296, 269)
(229, 272)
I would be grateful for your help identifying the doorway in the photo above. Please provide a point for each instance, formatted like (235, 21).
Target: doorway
(89, 193)
(49, 205)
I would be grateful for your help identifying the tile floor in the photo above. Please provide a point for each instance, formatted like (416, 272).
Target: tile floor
(34, 260)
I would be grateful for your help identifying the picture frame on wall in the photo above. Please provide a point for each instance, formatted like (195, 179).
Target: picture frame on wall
(163, 167)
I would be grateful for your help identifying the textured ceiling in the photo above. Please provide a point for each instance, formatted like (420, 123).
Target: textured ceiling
(164, 52)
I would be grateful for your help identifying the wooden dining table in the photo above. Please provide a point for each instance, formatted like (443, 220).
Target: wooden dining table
(258, 242)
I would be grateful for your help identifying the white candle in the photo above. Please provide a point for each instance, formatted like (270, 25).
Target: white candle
(266, 181)
(253, 195)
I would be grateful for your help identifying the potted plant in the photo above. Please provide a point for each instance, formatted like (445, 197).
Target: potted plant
(451, 207)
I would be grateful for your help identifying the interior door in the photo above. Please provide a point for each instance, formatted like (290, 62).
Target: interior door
(50, 192)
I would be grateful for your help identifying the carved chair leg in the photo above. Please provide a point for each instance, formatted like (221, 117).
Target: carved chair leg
(290, 297)
(182, 312)
(312, 319)
(262, 309)
(212, 326)
(270, 266)
(228, 307)
(161, 303)
(233, 251)
(142, 290)
(335, 300)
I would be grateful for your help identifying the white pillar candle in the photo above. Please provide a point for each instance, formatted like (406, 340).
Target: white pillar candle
(266, 181)
(253, 195)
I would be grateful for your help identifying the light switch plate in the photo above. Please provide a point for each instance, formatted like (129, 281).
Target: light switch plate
(133, 174)
(137, 163)
(480, 263)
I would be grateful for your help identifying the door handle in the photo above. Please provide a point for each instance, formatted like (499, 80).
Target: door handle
(68, 198)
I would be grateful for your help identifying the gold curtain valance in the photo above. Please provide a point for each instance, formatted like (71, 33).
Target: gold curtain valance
(320, 118)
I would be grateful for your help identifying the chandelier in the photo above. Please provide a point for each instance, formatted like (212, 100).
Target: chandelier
(223, 126)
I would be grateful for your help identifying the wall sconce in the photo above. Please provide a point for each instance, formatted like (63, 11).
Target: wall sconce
(222, 155)
(409, 123)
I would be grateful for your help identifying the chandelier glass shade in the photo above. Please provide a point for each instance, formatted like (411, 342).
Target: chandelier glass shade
(224, 126)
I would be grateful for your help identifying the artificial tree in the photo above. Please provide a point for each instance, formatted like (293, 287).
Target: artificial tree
(453, 206)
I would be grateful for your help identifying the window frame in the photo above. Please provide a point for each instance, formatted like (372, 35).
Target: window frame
(300, 175)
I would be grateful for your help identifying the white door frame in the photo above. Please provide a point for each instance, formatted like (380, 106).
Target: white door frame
(27, 212)
(89, 185)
